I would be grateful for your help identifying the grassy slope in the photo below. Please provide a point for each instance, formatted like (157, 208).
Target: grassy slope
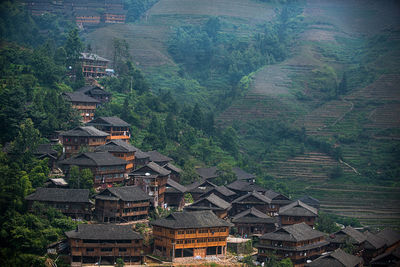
(336, 29)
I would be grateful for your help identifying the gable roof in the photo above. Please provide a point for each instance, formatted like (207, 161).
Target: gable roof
(207, 173)
(254, 194)
(213, 199)
(193, 219)
(222, 190)
(125, 193)
(336, 258)
(294, 232)
(45, 149)
(373, 241)
(309, 200)
(58, 181)
(157, 157)
(243, 186)
(277, 198)
(104, 232)
(252, 215)
(94, 159)
(109, 121)
(194, 187)
(390, 236)
(387, 258)
(59, 195)
(171, 167)
(140, 154)
(241, 174)
(175, 186)
(356, 235)
(154, 167)
(79, 97)
(298, 208)
(85, 131)
(116, 146)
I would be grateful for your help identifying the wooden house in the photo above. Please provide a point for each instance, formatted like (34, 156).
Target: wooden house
(199, 188)
(85, 105)
(122, 150)
(96, 92)
(152, 178)
(46, 151)
(373, 246)
(104, 243)
(337, 258)
(250, 200)
(93, 65)
(254, 222)
(277, 200)
(197, 234)
(87, 17)
(71, 202)
(299, 242)
(158, 158)
(297, 212)
(243, 175)
(208, 173)
(114, 126)
(112, 16)
(391, 237)
(56, 183)
(107, 169)
(122, 204)
(211, 202)
(387, 259)
(174, 194)
(241, 187)
(222, 192)
(141, 158)
(175, 171)
(345, 236)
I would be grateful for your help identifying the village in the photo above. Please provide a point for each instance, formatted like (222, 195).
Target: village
(205, 221)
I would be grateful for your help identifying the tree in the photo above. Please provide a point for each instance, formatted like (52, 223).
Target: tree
(225, 174)
(73, 48)
(342, 88)
(196, 120)
(80, 179)
(120, 262)
(326, 224)
(74, 177)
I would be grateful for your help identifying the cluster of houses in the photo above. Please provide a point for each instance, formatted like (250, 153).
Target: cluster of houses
(130, 183)
(87, 13)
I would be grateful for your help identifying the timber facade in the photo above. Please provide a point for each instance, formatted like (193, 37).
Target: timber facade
(85, 105)
(114, 126)
(190, 234)
(122, 150)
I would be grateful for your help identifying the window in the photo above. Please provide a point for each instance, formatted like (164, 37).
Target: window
(190, 231)
(122, 249)
(106, 249)
(89, 249)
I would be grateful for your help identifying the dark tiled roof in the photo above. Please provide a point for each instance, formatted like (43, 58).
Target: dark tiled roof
(298, 208)
(109, 121)
(373, 241)
(58, 181)
(45, 149)
(390, 236)
(59, 195)
(194, 219)
(242, 175)
(104, 232)
(277, 198)
(381, 261)
(116, 146)
(125, 193)
(253, 215)
(240, 185)
(213, 199)
(88, 131)
(157, 157)
(194, 187)
(79, 97)
(296, 232)
(207, 173)
(175, 185)
(92, 57)
(154, 167)
(140, 154)
(255, 194)
(313, 202)
(336, 258)
(349, 231)
(223, 190)
(171, 167)
(94, 159)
